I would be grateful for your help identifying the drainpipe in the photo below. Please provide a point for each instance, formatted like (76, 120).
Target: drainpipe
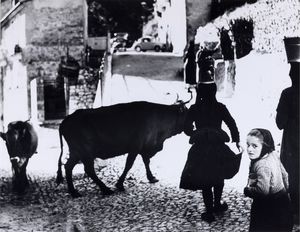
(0, 22)
(1, 98)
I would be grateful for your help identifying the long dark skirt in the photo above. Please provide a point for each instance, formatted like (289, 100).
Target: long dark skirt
(208, 165)
(271, 214)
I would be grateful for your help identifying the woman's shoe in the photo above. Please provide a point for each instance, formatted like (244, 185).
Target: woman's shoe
(208, 217)
(220, 207)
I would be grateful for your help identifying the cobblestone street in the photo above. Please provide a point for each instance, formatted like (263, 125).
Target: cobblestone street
(142, 207)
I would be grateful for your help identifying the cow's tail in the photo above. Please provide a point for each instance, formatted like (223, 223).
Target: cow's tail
(59, 177)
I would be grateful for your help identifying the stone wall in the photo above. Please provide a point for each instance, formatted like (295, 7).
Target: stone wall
(82, 95)
(197, 14)
(5, 7)
(58, 31)
(49, 37)
(273, 20)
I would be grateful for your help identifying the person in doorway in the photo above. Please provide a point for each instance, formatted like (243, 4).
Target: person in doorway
(267, 185)
(190, 64)
(204, 166)
(287, 119)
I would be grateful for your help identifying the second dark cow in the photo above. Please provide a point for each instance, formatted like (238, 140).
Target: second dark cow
(133, 128)
(21, 143)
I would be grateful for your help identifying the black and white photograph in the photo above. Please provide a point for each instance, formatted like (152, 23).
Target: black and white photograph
(149, 115)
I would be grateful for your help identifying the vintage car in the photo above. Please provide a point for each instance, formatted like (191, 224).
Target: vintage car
(148, 43)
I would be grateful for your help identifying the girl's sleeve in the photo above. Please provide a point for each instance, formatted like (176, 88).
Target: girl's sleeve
(230, 122)
(262, 186)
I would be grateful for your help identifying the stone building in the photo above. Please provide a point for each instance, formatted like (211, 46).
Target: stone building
(43, 60)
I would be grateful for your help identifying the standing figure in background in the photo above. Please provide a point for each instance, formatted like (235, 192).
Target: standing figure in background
(204, 168)
(190, 64)
(287, 119)
(267, 185)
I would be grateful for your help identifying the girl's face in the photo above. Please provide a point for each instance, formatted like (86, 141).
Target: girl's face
(254, 147)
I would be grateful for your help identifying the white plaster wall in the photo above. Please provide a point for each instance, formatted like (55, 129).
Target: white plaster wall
(33, 100)
(15, 89)
(15, 104)
(178, 26)
(14, 34)
(173, 23)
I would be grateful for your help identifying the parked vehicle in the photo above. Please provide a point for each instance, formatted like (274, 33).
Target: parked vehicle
(118, 36)
(120, 42)
(148, 43)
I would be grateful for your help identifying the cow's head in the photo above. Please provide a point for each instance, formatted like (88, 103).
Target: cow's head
(182, 111)
(16, 139)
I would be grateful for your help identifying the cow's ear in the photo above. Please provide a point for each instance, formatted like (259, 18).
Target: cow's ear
(3, 136)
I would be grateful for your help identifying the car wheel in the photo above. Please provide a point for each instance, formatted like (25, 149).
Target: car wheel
(137, 48)
(157, 48)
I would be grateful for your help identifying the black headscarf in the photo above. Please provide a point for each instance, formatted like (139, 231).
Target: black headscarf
(206, 92)
(266, 138)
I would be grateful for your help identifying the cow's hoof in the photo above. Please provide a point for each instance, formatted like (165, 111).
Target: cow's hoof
(153, 180)
(120, 187)
(75, 194)
(107, 191)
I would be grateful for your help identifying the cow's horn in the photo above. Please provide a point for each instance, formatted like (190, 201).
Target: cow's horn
(17, 158)
(177, 97)
(189, 91)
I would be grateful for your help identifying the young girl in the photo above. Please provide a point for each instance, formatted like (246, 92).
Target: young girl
(267, 185)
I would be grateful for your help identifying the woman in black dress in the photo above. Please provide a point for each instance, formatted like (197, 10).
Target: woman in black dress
(209, 159)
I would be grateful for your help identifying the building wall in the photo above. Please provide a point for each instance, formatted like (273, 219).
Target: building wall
(15, 97)
(45, 30)
(171, 20)
(5, 6)
(60, 27)
(13, 31)
(178, 25)
(82, 95)
(197, 14)
(15, 92)
(178, 20)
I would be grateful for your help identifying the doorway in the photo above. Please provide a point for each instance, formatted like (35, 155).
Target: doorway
(54, 98)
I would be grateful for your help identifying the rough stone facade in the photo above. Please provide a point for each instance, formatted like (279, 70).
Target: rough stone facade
(82, 95)
(51, 30)
(197, 14)
(5, 7)
(60, 27)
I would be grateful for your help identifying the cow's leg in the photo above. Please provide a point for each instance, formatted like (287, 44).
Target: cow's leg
(24, 183)
(150, 177)
(20, 180)
(90, 171)
(129, 162)
(70, 164)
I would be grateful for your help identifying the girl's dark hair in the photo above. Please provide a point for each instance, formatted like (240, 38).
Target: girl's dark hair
(267, 140)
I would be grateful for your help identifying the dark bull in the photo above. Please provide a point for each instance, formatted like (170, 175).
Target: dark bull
(21, 143)
(133, 128)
